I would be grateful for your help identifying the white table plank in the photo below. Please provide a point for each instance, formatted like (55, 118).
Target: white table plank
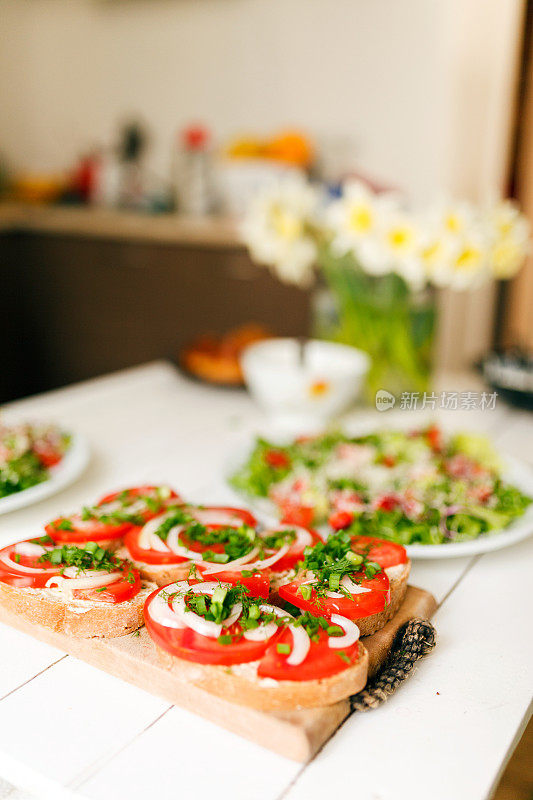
(16, 670)
(191, 757)
(82, 713)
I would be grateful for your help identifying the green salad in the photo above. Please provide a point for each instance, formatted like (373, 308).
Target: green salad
(27, 453)
(415, 487)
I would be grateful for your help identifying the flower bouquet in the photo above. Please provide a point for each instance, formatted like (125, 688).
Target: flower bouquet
(382, 262)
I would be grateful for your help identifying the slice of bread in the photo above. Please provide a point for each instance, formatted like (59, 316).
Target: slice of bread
(161, 574)
(81, 618)
(240, 683)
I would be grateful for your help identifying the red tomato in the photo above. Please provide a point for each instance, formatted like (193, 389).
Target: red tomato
(276, 459)
(385, 553)
(131, 540)
(47, 454)
(340, 519)
(434, 437)
(389, 461)
(191, 646)
(16, 577)
(258, 584)
(295, 514)
(91, 530)
(353, 607)
(321, 661)
(117, 592)
(388, 502)
(242, 516)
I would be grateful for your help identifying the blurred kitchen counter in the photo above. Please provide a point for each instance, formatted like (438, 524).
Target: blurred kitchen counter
(218, 232)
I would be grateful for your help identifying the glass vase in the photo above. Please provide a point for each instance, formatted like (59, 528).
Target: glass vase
(384, 317)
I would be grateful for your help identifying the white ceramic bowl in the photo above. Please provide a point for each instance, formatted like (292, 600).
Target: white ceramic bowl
(302, 387)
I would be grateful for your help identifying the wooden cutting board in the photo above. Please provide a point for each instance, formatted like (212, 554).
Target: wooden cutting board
(295, 734)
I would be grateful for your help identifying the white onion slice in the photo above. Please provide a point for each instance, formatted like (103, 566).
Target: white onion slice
(205, 627)
(30, 549)
(350, 586)
(300, 646)
(238, 565)
(235, 613)
(177, 548)
(8, 561)
(148, 538)
(265, 630)
(159, 609)
(232, 566)
(351, 632)
(303, 537)
(91, 579)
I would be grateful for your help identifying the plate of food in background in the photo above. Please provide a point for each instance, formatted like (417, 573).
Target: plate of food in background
(36, 461)
(217, 359)
(438, 495)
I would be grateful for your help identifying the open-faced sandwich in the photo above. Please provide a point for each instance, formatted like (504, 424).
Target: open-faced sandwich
(112, 516)
(85, 591)
(252, 652)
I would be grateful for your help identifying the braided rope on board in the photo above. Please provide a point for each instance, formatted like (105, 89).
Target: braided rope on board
(415, 639)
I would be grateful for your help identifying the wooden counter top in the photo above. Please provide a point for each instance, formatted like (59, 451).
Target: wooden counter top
(216, 232)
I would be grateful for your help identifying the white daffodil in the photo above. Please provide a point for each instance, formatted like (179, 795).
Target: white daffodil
(277, 230)
(452, 218)
(510, 235)
(401, 238)
(469, 263)
(354, 221)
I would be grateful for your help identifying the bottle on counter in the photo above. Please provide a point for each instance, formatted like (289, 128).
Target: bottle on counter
(194, 182)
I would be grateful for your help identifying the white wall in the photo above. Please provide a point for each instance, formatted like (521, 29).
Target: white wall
(364, 72)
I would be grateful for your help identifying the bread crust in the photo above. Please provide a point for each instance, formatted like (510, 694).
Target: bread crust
(160, 574)
(239, 684)
(398, 588)
(81, 618)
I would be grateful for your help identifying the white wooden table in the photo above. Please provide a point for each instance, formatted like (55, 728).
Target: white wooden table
(68, 730)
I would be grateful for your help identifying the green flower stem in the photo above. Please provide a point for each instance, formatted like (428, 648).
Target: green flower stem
(381, 316)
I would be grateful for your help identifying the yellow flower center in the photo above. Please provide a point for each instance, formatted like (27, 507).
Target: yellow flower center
(286, 224)
(453, 222)
(469, 259)
(400, 239)
(360, 219)
(431, 254)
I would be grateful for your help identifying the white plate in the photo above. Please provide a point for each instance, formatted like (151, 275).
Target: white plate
(516, 472)
(63, 474)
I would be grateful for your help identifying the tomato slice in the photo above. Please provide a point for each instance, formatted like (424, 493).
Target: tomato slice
(129, 495)
(117, 592)
(295, 514)
(257, 584)
(75, 529)
(320, 662)
(385, 553)
(354, 607)
(47, 454)
(191, 646)
(227, 516)
(17, 577)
